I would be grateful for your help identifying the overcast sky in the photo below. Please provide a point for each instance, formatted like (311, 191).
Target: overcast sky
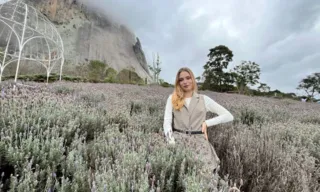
(283, 37)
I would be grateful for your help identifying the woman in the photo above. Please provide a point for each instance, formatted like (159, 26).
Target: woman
(185, 119)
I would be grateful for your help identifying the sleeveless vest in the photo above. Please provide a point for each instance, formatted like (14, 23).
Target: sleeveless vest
(190, 118)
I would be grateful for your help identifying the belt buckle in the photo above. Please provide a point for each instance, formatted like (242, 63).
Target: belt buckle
(190, 132)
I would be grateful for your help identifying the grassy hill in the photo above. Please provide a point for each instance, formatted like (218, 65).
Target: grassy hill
(108, 137)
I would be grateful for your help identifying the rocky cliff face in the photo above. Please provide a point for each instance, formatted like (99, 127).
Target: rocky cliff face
(89, 35)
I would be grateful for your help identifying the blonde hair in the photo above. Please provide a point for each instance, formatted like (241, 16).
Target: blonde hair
(178, 93)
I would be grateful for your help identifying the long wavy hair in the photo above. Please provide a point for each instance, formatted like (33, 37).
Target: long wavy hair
(178, 93)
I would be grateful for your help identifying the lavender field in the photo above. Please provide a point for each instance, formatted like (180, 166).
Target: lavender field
(108, 137)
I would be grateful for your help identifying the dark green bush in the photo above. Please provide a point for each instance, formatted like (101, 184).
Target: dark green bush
(111, 75)
(127, 76)
(97, 70)
(165, 84)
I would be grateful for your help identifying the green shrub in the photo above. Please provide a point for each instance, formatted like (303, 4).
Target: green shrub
(97, 70)
(165, 84)
(73, 79)
(41, 78)
(111, 75)
(127, 76)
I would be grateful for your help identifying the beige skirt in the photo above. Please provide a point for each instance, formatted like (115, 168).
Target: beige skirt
(200, 148)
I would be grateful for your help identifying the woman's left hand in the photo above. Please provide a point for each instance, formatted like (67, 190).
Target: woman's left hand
(204, 130)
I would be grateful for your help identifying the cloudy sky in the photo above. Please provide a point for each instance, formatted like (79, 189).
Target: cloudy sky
(283, 37)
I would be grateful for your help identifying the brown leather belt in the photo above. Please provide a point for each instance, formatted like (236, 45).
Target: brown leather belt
(187, 132)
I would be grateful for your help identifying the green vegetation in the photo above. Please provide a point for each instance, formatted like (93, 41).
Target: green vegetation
(43, 78)
(111, 75)
(156, 69)
(216, 77)
(97, 71)
(94, 72)
(311, 85)
(126, 76)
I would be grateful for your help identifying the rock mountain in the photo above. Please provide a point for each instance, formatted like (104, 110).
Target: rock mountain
(89, 35)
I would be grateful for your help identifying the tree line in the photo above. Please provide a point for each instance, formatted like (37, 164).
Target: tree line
(217, 78)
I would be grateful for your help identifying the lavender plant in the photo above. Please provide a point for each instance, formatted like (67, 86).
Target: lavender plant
(108, 137)
(75, 140)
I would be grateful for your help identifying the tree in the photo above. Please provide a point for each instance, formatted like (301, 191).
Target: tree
(263, 88)
(247, 73)
(219, 58)
(228, 81)
(310, 84)
(156, 69)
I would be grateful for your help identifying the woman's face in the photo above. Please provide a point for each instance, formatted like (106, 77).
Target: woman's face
(185, 81)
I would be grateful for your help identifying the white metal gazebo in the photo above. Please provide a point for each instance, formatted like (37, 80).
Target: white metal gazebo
(26, 34)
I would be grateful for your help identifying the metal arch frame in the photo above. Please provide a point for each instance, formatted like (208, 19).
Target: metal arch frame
(50, 35)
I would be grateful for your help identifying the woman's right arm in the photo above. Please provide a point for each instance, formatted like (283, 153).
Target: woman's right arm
(167, 123)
